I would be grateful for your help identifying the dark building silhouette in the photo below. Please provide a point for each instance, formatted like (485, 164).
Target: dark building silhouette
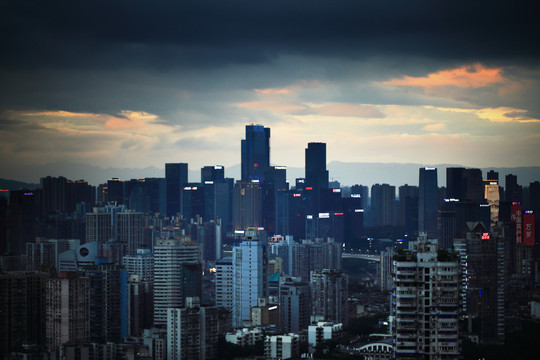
(176, 175)
(455, 183)
(513, 191)
(115, 191)
(192, 201)
(255, 152)
(316, 173)
(408, 207)
(428, 201)
(214, 173)
(383, 200)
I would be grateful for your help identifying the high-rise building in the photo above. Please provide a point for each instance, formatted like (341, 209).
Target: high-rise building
(67, 310)
(224, 283)
(108, 301)
(176, 175)
(214, 173)
(255, 153)
(193, 201)
(329, 292)
(385, 269)
(294, 304)
(192, 331)
(22, 309)
(45, 253)
(177, 275)
(250, 276)
(425, 303)
(247, 205)
(140, 264)
(316, 173)
(484, 262)
(130, 230)
(408, 207)
(512, 191)
(139, 305)
(428, 201)
(383, 201)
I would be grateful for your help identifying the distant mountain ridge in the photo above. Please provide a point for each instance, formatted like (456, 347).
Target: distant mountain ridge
(347, 173)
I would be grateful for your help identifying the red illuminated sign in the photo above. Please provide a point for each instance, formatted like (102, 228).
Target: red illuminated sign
(528, 229)
(516, 216)
(309, 188)
(338, 213)
(297, 195)
(485, 236)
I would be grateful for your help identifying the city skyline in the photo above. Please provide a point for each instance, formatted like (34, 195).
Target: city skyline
(137, 85)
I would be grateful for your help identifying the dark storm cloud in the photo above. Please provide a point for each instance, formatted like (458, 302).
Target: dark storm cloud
(173, 34)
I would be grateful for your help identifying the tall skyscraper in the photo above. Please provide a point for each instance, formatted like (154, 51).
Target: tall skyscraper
(428, 201)
(255, 152)
(295, 303)
(250, 276)
(177, 274)
(408, 208)
(316, 173)
(176, 175)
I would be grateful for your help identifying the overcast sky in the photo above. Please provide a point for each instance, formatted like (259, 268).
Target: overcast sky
(139, 82)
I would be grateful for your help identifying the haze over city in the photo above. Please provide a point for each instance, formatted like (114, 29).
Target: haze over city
(137, 84)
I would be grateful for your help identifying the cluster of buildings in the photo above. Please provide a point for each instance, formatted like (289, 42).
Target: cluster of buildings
(161, 268)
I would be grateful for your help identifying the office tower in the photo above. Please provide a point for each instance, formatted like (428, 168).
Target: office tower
(316, 173)
(176, 175)
(22, 309)
(108, 301)
(218, 201)
(428, 201)
(534, 197)
(513, 191)
(247, 205)
(67, 310)
(408, 208)
(214, 173)
(484, 262)
(353, 219)
(329, 291)
(327, 225)
(255, 152)
(285, 346)
(282, 212)
(294, 304)
(177, 274)
(455, 183)
(115, 191)
(192, 201)
(473, 184)
(147, 195)
(492, 196)
(61, 195)
(425, 303)
(361, 191)
(274, 181)
(383, 200)
(192, 331)
(224, 283)
(140, 304)
(250, 276)
(385, 269)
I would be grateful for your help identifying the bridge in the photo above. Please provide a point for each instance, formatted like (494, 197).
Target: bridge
(361, 256)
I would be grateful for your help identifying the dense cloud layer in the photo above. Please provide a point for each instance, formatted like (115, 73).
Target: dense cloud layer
(148, 80)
